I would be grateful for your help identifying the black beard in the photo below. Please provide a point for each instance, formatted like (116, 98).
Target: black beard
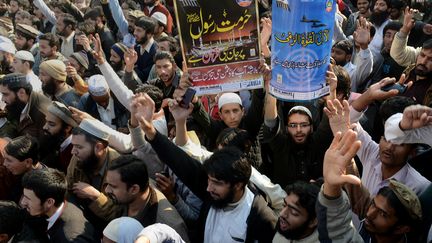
(118, 66)
(5, 66)
(26, 47)
(78, 48)
(14, 110)
(378, 18)
(49, 88)
(142, 41)
(294, 234)
(342, 64)
(222, 203)
(427, 74)
(90, 164)
(3, 12)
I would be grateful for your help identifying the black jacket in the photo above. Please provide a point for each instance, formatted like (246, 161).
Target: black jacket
(261, 220)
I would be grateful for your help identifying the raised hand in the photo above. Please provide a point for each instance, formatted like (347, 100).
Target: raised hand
(267, 73)
(336, 159)
(144, 108)
(331, 80)
(130, 58)
(416, 116)
(362, 33)
(409, 22)
(97, 51)
(179, 113)
(338, 115)
(85, 191)
(266, 30)
(166, 186)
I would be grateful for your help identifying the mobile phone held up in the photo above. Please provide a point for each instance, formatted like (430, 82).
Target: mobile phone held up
(165, 173)
(399, 87)
(187, 98)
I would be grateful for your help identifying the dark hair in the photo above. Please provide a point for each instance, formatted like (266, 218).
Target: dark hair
(154, 92)
(132, 171)
(398, 4)
(23, 147)
(9, 80)
(94, 13)
(344, 45)
(427, 44)
(59, 5)
(392, 25)
(343, 81)
(160, 55)
(52, 39)
(173, 43)
(46, 183)
(69, 20)
(89, 137)
(87, 27)
(393, 105)
(11, 218)
(235, 137)
(228, 165)
(307, 194)
(147, 23)
(402, 213)
(132, 5)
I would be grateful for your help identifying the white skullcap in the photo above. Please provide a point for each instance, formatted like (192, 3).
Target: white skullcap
(91, 127)
(7, 47)
(160, 17)
(123, 230)
(229, 98)
(97, 85)
(25, 56)
(300, 108)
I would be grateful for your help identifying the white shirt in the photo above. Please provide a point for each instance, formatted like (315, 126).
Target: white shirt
(55, 216)
(34, 81)
(372, 172)
(376, 43)
(108, 114)
(67, 45)
(228, 224)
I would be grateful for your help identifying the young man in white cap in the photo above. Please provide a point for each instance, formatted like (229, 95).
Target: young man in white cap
(232, 115)
(56, 146)
(298, 151)
(161, 20)
(23, 63)
(102, 105)
(86, 173)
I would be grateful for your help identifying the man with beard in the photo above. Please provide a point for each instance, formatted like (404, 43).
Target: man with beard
(297, 149)
(146, 46)
(388, 217)
(169, 44)
(65, 27)
(25, 38)
(124, 70)
(379, 18)
(297, 220)
(56, 146)
(231, 211)
(417, 60)
(166, 69)
(7, 52)
(153, 6)
(101, 103)
(49, 45)
(53, 76)
(86, 173)
(76, 69)
(96, 16)
(26, 109)
(127, 184)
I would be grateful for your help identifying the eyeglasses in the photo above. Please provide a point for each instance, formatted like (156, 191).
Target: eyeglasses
(301, 125)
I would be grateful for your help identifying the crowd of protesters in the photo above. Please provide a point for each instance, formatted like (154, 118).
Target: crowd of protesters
(97, 145)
